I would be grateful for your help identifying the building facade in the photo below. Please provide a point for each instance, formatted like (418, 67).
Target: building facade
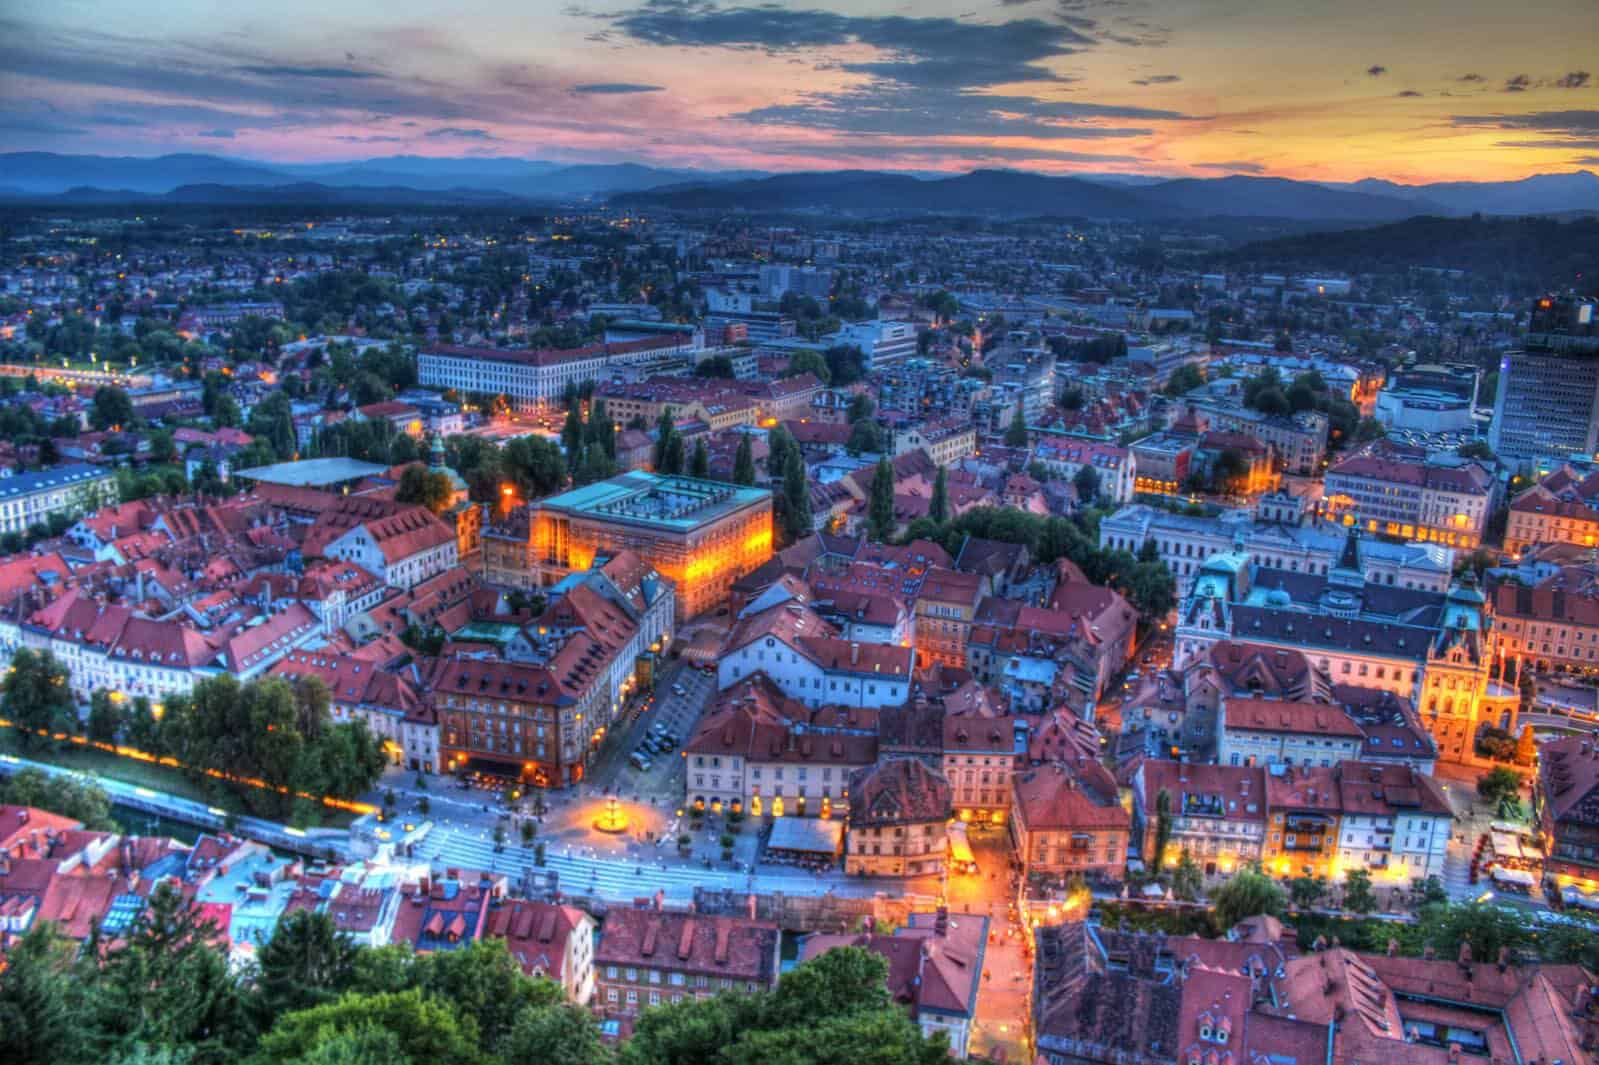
(700, 535)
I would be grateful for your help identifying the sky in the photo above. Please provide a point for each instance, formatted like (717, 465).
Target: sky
(1407, 90)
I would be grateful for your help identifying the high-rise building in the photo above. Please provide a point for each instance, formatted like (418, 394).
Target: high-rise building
(1547, 406)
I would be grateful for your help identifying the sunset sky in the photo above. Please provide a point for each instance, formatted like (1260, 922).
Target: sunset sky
(1411, 90)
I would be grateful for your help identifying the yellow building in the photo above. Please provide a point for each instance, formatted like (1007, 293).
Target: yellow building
(702, 535)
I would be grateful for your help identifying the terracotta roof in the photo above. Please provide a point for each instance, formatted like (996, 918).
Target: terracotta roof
(1300, 718)
(718, 946)
(1069, 797)
(898, 791)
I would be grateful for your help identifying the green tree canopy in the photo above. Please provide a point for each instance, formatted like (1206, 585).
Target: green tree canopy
(36, 697)
(1247, 893)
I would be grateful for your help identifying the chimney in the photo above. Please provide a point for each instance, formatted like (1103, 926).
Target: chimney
(1429, 954)
(1504, 958)
(1465, 954)
(1393, 948)
(854, 654)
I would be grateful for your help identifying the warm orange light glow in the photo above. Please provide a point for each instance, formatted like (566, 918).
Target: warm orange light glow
(167, 760)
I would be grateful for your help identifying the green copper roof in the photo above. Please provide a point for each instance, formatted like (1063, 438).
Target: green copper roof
(671, 503)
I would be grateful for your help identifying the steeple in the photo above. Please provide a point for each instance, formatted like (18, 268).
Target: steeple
(1348, 572)
(436, 453)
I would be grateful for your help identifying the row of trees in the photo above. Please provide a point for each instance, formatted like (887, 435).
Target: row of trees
(1143, 579)
(164, 993)
(276, 742)
(273, 743)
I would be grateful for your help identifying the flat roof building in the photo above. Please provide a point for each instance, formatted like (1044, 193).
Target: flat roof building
(313, 473)
(701, 535)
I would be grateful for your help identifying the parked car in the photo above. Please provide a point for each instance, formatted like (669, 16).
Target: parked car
(640, 762)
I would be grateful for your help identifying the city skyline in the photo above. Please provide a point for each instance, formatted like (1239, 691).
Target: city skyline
(1434, 92)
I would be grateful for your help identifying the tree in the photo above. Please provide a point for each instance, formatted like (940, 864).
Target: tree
(744, 461)
(1499, 786)
(105, 717)
(938, 508)
(778, 443)
(485, 985)
(1247, 893)
(425, 1028)
(1526, 746)
(306, 963)
(112, 407)
(846, 364)
(165, 986)
(431, 488)
(1306, 891)
(700, 465)
(225, 415)
(805, 362)
(37, 700)
(861, 408)
(1358, 895)
(1016, 434)
(572, 434)
(563, 1033)
(1150, 588)
(42, 1004)
(799, 522)
(1184, 379)
(1272, 401)
(1086, 481)
(880, 521)
(600, 431)
(674, 455)
(1186, 880)
(715, 366)
(665, 429)
(865, 436)
(68, 796)
(1163, 826)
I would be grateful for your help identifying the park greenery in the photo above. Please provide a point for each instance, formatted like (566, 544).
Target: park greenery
(164, 992)
(1142, 578)
(268, 746)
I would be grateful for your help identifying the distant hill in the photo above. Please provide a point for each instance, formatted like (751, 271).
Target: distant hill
(1539, 194)
(304, 193)
(46, 173)
(1521, 254)
(423, 179)
(49, 174)
(1017, 193)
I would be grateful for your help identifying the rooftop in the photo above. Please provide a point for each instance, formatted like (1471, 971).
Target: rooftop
(670, 503)
(313, 473)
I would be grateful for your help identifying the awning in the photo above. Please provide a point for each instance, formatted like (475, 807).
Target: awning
(809, 835)
(1573, 897)
(1513, 876)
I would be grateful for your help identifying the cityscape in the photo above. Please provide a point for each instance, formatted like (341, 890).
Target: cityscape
(731, 543)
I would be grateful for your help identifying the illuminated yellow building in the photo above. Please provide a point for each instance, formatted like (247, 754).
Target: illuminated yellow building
(702, 535)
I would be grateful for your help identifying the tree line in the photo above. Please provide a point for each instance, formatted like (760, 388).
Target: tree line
(164, 993)
(264, 745)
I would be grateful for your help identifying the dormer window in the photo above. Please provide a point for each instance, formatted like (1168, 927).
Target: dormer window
(1204, 1031)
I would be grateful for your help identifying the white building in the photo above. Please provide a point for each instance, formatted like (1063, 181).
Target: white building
(806, 659)
(535, 378)
(28, 499)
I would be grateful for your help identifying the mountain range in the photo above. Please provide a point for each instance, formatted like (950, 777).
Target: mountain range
(51, 174)
(1016, 192)
(419, 180)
